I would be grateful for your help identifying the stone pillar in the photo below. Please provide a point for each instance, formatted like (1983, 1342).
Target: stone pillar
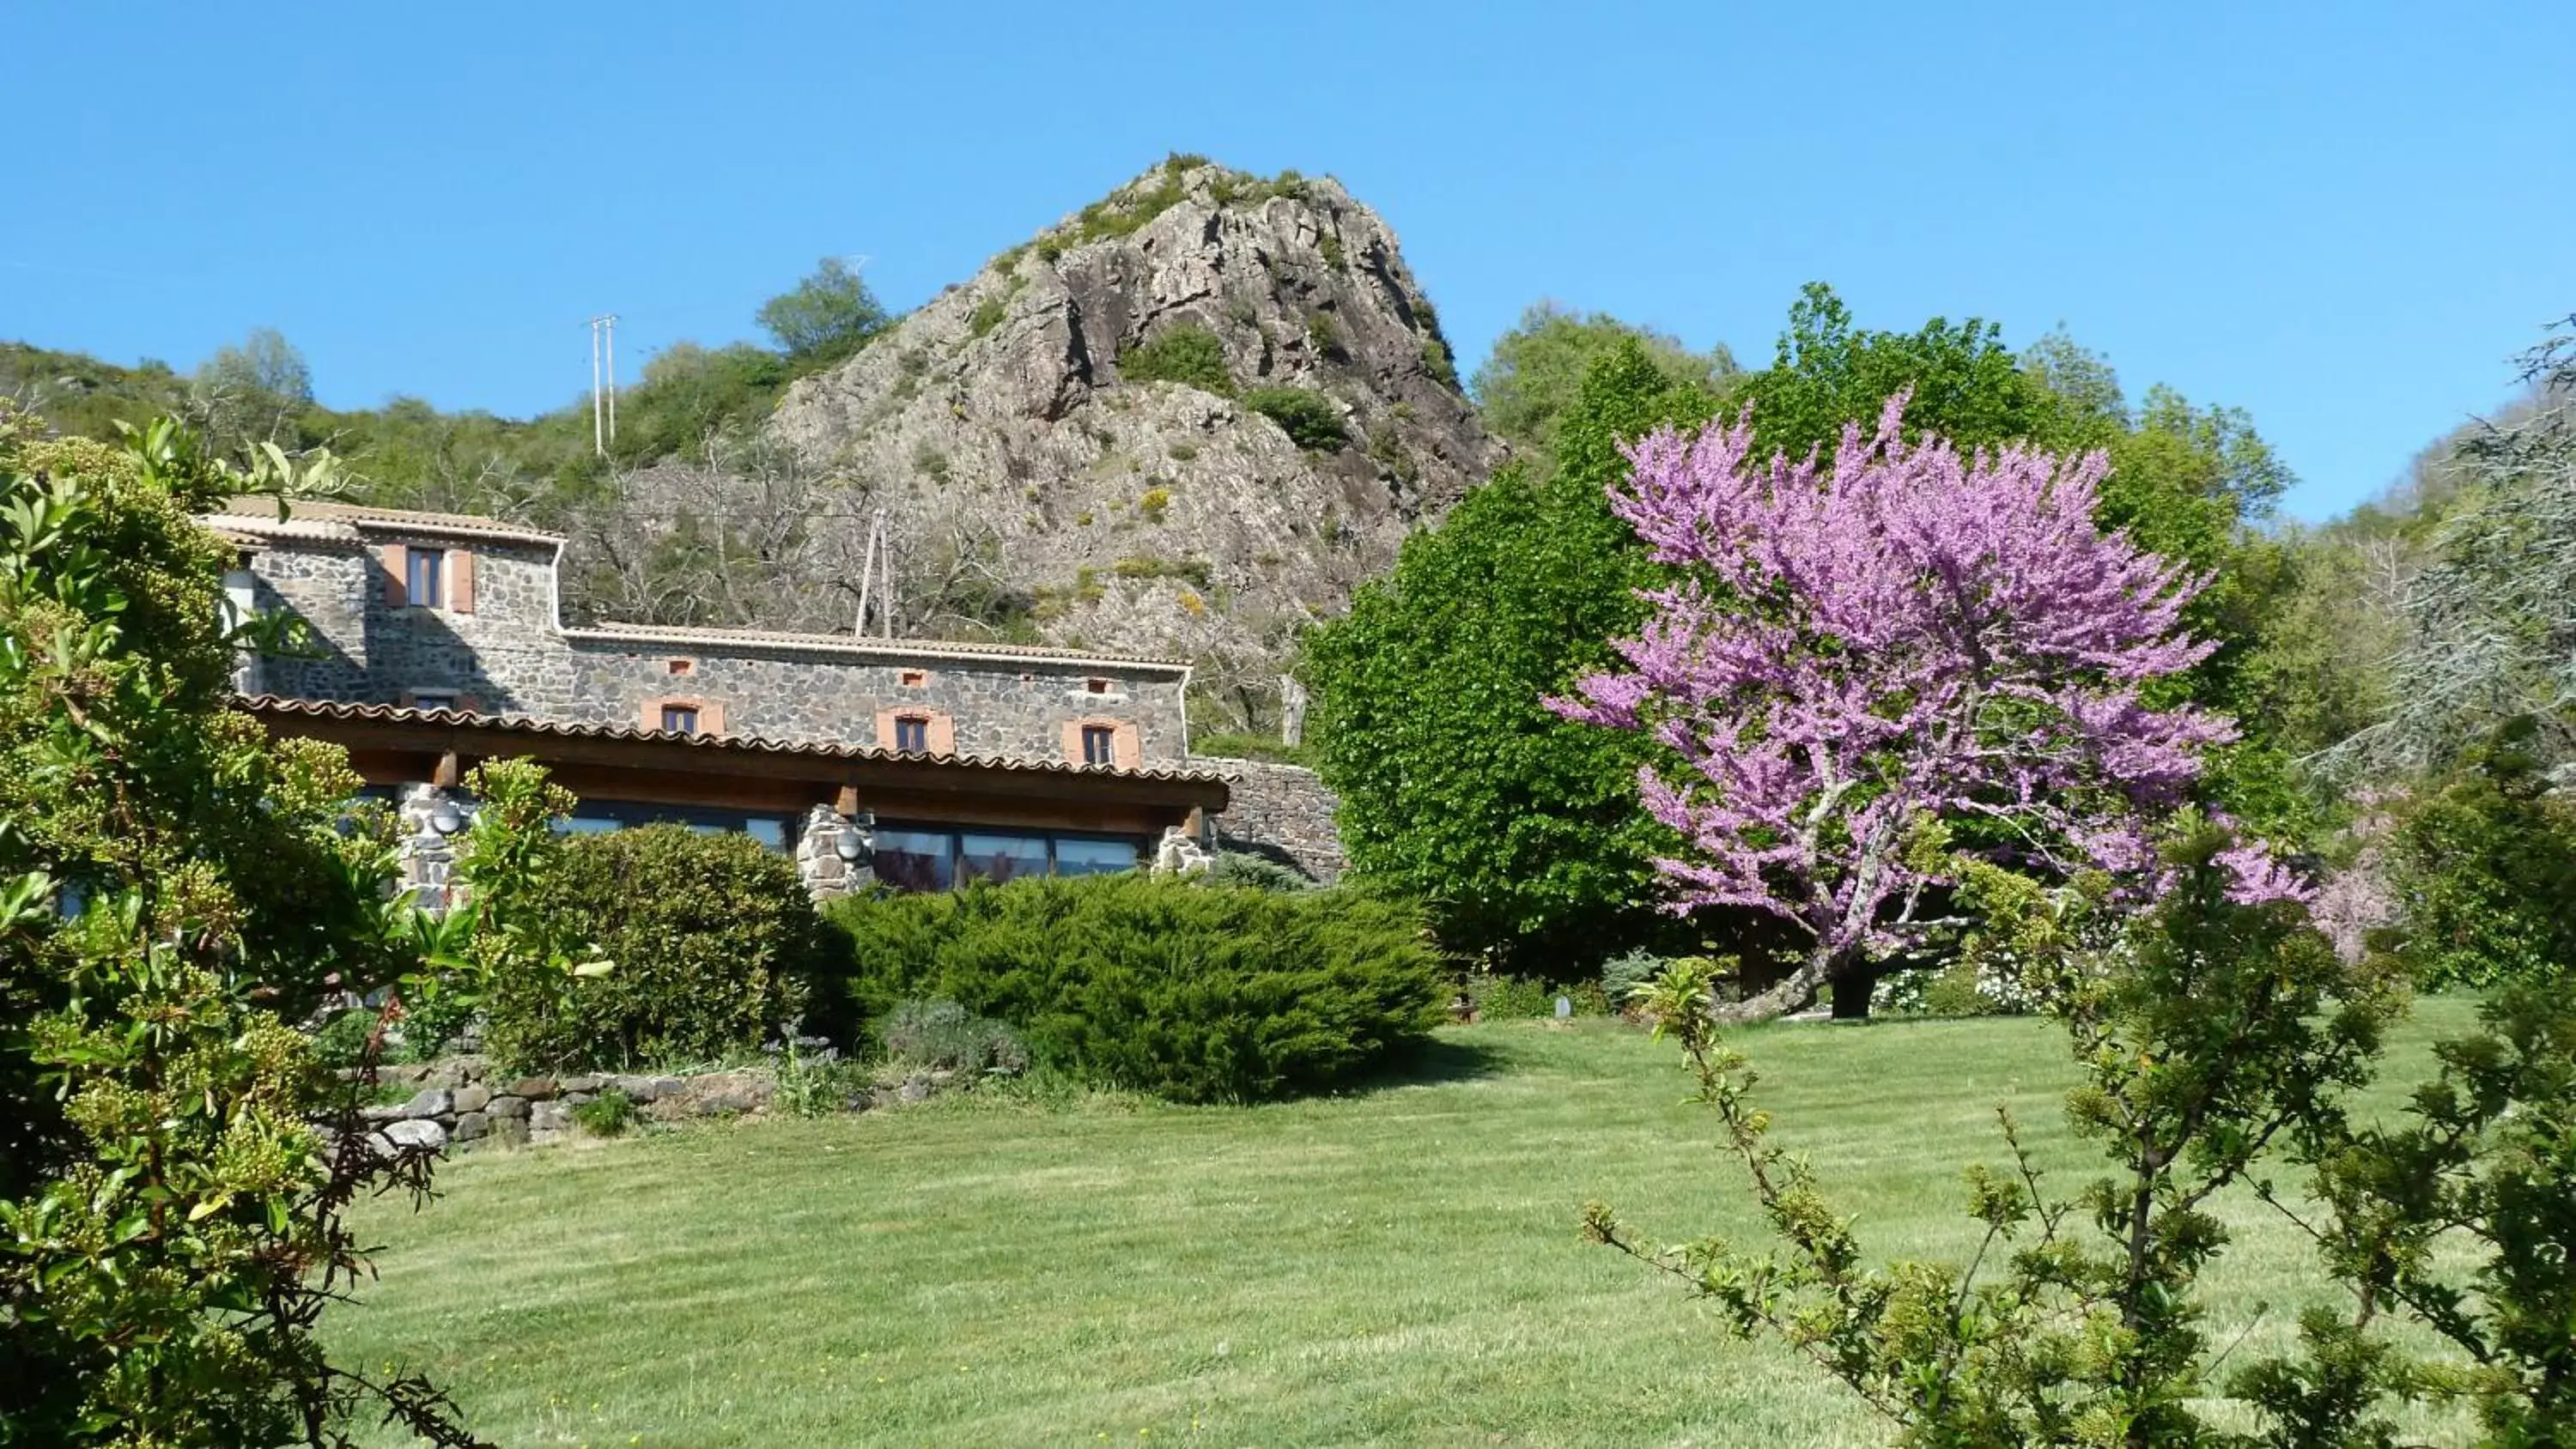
(1181, 854)
(818, 853)
(429, 855)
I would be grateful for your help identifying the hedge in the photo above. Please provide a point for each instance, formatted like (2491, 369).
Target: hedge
(1199, 993)
(714, 941)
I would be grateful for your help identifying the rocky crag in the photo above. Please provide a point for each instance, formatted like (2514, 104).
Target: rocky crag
(1186, 421)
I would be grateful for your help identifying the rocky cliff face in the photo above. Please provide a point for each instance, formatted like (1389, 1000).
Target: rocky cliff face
(1044, 480)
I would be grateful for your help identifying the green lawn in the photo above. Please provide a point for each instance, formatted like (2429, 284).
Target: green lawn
(1394, 1267)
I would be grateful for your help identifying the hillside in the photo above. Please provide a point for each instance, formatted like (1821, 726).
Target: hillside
(1185, 421)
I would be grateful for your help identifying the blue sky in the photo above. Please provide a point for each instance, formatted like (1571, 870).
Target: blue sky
(2343, 218)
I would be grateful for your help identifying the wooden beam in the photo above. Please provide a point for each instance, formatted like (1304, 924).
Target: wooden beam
(882, 785)
(449, 772)
(845, 802)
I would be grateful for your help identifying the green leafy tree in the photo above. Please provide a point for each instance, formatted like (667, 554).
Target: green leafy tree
(2484, 859)
(252, 392)
(174, 888)
(827, 316)
(1520, 828)
(1535, 373)
(1827, 374)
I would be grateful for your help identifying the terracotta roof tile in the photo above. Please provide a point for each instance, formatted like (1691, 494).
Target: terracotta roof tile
(318, 514)
(281, 705)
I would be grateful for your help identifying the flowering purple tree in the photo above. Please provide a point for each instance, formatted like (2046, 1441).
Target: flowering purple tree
(1902, 637)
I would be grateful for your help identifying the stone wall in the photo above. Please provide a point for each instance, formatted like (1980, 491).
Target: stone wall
(1280, 811)
(461, 1102)
(508, 656)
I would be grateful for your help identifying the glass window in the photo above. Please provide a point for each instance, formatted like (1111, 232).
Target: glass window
(912, 734)
(426, 588)
(915, 860)
(680, 719)
(1099, 745)
(1076, 856)
(1003, 857)
(433, 699)
(598, 817)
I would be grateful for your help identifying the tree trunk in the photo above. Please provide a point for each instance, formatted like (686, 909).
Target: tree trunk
(1794, 992)
(1853, 986)
(1850, 974)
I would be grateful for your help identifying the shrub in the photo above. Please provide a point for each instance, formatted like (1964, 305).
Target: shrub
(943, 1036)
(341, 1042)
(1257, 872)
(1510, 998)
(606, 1115)
(1623, 974)
(175, 887)
(2485, 858)
(1435, 360)
(1308, 417)
(986, 316)
(816, 1084)
(1196, 993)
(712, 939)
(1189, 355)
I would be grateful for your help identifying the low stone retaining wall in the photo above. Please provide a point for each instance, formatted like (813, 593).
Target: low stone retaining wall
(1281, 811)
(460, 1102)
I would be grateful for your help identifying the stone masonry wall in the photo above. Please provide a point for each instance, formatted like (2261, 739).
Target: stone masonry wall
(1281, 811)
(461, 1102)
(508, 656)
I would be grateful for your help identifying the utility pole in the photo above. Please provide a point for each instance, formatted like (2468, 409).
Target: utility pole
(603, 399)
(876, 578)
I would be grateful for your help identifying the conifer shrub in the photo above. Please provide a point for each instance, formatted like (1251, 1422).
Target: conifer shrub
(712, 944)
(1198, 993)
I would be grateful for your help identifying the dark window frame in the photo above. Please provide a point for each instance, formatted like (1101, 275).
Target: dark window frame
(425, 577)
(953, 861)
(1099, 744)
(630, 814)
(912, 734)
(680, 719)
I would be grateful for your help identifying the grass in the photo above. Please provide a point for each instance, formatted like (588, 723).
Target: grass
(1398, 1266)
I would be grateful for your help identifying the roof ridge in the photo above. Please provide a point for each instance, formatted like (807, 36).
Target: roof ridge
(619, 629)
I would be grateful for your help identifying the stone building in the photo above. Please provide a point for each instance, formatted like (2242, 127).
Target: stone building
(433, 641)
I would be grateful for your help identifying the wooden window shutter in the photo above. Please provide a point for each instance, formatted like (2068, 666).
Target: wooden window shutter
(397, 565)
(1073, 741)
(1125, 748)
(460, 581)
(711, 717)
(943, 735)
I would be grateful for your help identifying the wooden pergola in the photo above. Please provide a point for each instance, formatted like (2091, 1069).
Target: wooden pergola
(395, 746)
